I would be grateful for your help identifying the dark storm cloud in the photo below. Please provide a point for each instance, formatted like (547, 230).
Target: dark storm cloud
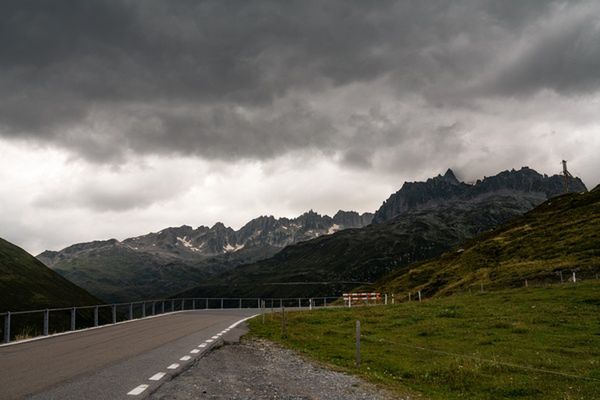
(251, 79)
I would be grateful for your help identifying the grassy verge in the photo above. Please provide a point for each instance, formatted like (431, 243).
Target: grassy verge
(406, 346)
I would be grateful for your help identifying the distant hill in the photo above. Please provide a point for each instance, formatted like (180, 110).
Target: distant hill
(174, 259)
(26, 283)
(562, 234)
(420, 221)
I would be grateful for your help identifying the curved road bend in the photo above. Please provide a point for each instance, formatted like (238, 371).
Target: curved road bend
(112, 361)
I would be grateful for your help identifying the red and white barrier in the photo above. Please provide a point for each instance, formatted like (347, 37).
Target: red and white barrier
(350, 298)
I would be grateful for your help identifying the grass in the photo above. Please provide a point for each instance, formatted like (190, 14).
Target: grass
(554, 329)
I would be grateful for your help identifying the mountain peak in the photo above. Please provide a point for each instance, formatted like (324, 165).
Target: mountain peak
(450, 177)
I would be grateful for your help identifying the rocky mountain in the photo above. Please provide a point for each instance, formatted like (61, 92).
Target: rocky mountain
(159, 264)
(562, 235)
(444, 188)
(420, 221)
(27, 284)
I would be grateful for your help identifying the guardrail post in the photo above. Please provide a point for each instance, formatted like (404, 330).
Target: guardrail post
(385, 299)
(183, 304)
(419, 296)
(299, 303)
(162, 308)
(96, 316)
(153, 308)
(574, 277)
(114, 314)
(324, 301)
(130, 311)
(206, 304)
(258, 303)
(310, 304)
(73, 318)
(221, 304)
(46, 321)
(172, 305)
(193, 304)
(7, 327)
(240, 304)
(280, 303)
(143, 310)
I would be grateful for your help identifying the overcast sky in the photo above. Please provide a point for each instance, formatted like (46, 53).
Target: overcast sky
(118, 118)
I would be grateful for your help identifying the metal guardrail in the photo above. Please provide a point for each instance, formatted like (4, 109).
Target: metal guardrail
(119, 312)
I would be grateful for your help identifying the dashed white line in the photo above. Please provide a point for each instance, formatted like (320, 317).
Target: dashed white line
(214, 337)
(138, 390)
(195, 351)
(202, 345)
(209, 340)
(185, 358)
(173, 366)
(157, 377)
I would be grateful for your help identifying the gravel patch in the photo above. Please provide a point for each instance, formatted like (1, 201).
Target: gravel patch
(257, 369)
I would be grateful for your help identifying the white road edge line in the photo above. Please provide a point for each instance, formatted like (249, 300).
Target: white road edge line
(173, 366)
(202, 345)
(157, 377)
(195, 351)
(137, 391)
(209, 340)
(185, 358)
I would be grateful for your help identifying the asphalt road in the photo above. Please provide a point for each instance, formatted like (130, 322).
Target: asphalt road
(112, 361)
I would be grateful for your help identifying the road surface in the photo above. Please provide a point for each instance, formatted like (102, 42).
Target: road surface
(124, 361)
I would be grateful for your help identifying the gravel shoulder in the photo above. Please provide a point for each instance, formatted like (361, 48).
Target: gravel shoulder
(257, 369)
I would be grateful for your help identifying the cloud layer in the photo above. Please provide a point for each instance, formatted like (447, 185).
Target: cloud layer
(391, 89)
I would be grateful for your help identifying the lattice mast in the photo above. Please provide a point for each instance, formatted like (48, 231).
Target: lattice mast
(567, 175)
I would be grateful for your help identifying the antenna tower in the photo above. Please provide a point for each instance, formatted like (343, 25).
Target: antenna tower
(567, 175)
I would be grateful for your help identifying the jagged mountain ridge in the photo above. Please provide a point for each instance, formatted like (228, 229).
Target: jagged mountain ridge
(185, 242)
(161, 263)
(447, 187)
(433, 216)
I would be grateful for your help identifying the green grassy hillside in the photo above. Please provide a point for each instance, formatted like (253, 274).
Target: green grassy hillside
(562, 234)
(525, 343)
(26, 283)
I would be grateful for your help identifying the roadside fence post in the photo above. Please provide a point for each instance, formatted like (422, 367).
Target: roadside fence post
(258, 303)
(310, 304)
(221, 304)
(206, 304)
(299, 303)
(280, 303)
(385, 299)
(393, 300)
(130, 311)
(526, 283)
(96, 316)
(193, 304)
(561, 277)
(163, 307)
(7, 327)
(357, 343)
(143, 310)
(153, 308)
(324, 301)
(574, 277)
(46, 321)
(73, 318)
(239, 305)
(172, 305)
(283, 323)
(182, 304)
(114, 314)
(419, 296)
